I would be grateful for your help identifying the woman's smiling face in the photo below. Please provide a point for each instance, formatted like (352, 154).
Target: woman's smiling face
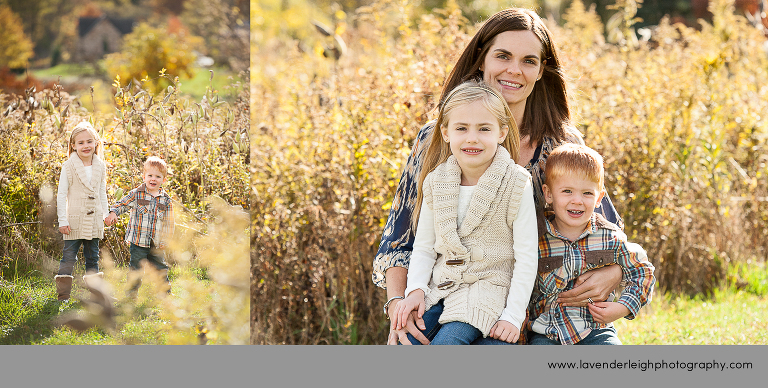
(513, 65)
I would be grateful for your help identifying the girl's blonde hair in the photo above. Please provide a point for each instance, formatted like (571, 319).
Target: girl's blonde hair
(84, 126)
(439, 150)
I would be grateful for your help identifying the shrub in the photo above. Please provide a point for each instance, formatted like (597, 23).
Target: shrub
(148, 51)
(17, 47)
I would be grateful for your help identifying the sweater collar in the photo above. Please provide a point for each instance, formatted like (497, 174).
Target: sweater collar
(449, 174)
(485, 191)
(80, 170)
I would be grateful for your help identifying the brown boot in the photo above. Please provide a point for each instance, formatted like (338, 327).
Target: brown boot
(164, 277)
(91, 277)
(63, 286)
(134, 279)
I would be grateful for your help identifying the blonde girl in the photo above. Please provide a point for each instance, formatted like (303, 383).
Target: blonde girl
(81, 206)
(475, 222)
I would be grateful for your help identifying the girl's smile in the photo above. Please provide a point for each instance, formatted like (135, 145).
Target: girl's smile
(84, 144)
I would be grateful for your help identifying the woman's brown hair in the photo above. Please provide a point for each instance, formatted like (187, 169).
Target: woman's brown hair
(546, 109)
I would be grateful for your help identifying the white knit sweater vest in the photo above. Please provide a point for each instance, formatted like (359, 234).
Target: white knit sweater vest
(475, 291)
(84, 213)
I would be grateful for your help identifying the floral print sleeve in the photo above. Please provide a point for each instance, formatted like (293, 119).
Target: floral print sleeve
(397, 240)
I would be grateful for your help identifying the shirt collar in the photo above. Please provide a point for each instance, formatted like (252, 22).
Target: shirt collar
(550, 218)
(162, 193)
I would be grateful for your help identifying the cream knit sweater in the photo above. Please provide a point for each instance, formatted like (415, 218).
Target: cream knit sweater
(478, 287)
(80, 201)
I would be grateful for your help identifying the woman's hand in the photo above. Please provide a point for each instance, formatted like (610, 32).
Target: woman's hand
(409, 326)
(596, 284)
(505, 331)
(64, 229)
(607, 312)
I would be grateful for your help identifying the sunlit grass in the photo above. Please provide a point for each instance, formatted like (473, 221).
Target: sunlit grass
(733, 315)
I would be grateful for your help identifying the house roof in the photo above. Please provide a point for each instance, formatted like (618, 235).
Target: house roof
(85, 25)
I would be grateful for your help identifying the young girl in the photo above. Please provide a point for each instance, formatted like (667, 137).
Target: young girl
(81, 206)
(476, 222)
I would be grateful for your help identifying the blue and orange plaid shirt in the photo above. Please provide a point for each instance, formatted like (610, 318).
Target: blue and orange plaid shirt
(151, 217)
(561, 261)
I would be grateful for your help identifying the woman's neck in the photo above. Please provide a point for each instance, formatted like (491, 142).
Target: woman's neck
(527, 150)
(518, 112)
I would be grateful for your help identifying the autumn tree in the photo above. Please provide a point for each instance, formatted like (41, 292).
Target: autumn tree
(223, 26)
(148, 50)
(16, 48)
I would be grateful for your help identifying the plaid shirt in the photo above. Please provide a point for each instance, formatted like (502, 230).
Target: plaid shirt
(561, 261)
(151, 217)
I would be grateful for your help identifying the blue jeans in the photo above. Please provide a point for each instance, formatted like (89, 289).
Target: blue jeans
(154, 255)
(451, 333)
(605, 336)
(69, 256)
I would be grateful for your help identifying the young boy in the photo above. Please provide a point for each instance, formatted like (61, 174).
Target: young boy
(577, 240)
(151, 223)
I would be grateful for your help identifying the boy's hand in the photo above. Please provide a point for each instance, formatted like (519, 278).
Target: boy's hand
(413, 302)
(111, 219)
(505, 331)
(64, 229)
(607, 312)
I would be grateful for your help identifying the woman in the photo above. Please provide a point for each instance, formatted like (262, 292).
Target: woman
(512, 51)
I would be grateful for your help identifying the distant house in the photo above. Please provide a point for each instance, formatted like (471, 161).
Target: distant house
(100, 36)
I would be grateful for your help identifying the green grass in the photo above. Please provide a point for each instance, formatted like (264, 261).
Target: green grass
(28, 308)
(29, 312)
(734, 315)
(65, 70)
(196, 86)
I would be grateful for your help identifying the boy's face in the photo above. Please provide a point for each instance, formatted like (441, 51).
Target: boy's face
(574, 199)
(153, 178)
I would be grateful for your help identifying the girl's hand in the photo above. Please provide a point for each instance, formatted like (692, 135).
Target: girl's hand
(596, 284)
(607, 312)
(505, 331)
(111, 219)
(413, 302)
(64, 229)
